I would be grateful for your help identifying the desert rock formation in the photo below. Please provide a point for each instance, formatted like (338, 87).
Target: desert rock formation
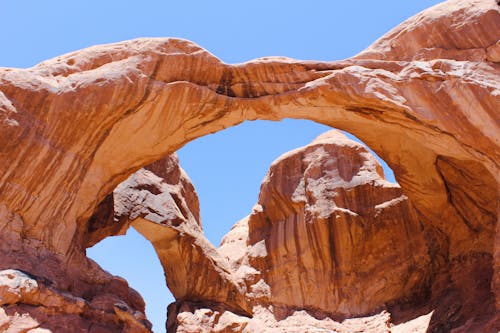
(325, 221)
(160, 202)
(425, 97)
(330, 239)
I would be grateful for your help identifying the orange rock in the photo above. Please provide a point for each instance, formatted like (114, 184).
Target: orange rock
(338, 238)
(161, 203)
(425, 97)
(331, 238)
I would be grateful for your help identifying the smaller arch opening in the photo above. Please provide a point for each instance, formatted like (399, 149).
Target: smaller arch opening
(132, 257)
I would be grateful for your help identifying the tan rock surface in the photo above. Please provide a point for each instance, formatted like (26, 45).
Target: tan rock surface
(336, 237)
(196, 318)
(161, 203)
(330, 239)
(425, 97)
(32, 304)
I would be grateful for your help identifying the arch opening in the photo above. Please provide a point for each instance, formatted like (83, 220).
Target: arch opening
(201, 159)
(133, 258)
(229, 163)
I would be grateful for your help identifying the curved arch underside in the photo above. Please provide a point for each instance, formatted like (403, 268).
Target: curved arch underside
(74, 127)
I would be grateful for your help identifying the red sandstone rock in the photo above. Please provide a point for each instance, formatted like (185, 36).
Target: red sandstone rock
(354, 241)
(30, 304)
(330, 238)
(425, 97)
(161, 203)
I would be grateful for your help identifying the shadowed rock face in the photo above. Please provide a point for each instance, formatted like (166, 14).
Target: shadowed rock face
(425, 97)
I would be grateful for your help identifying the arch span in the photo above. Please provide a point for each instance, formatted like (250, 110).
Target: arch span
(143, 99)
(74, 127)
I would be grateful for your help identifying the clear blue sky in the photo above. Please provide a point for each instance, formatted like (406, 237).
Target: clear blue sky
(227, 167)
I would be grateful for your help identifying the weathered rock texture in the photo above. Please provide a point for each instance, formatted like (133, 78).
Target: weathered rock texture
(331, 239)
(425, 97)
(161, 203)
(97, 302)
(330, 234)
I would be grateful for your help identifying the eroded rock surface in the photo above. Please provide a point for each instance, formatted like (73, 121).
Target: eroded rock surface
(161, 203)
(330, 239)
(330, 234)
(36, 304)
(425, 97)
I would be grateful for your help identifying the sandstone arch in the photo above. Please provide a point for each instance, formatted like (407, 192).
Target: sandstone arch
(74, 127)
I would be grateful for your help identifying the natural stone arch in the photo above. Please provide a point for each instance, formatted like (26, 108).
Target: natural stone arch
(159, 112)
(83, 122)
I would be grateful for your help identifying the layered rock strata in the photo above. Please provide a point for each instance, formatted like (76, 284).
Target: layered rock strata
(160, 202)
(425, 97)
(330, 234)
(331, 239)
(89, 300)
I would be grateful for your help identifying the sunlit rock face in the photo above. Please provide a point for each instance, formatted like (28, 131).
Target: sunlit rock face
(332, 245)
(353, 239)
(425, 97)
(330, 237)
(161, 203)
